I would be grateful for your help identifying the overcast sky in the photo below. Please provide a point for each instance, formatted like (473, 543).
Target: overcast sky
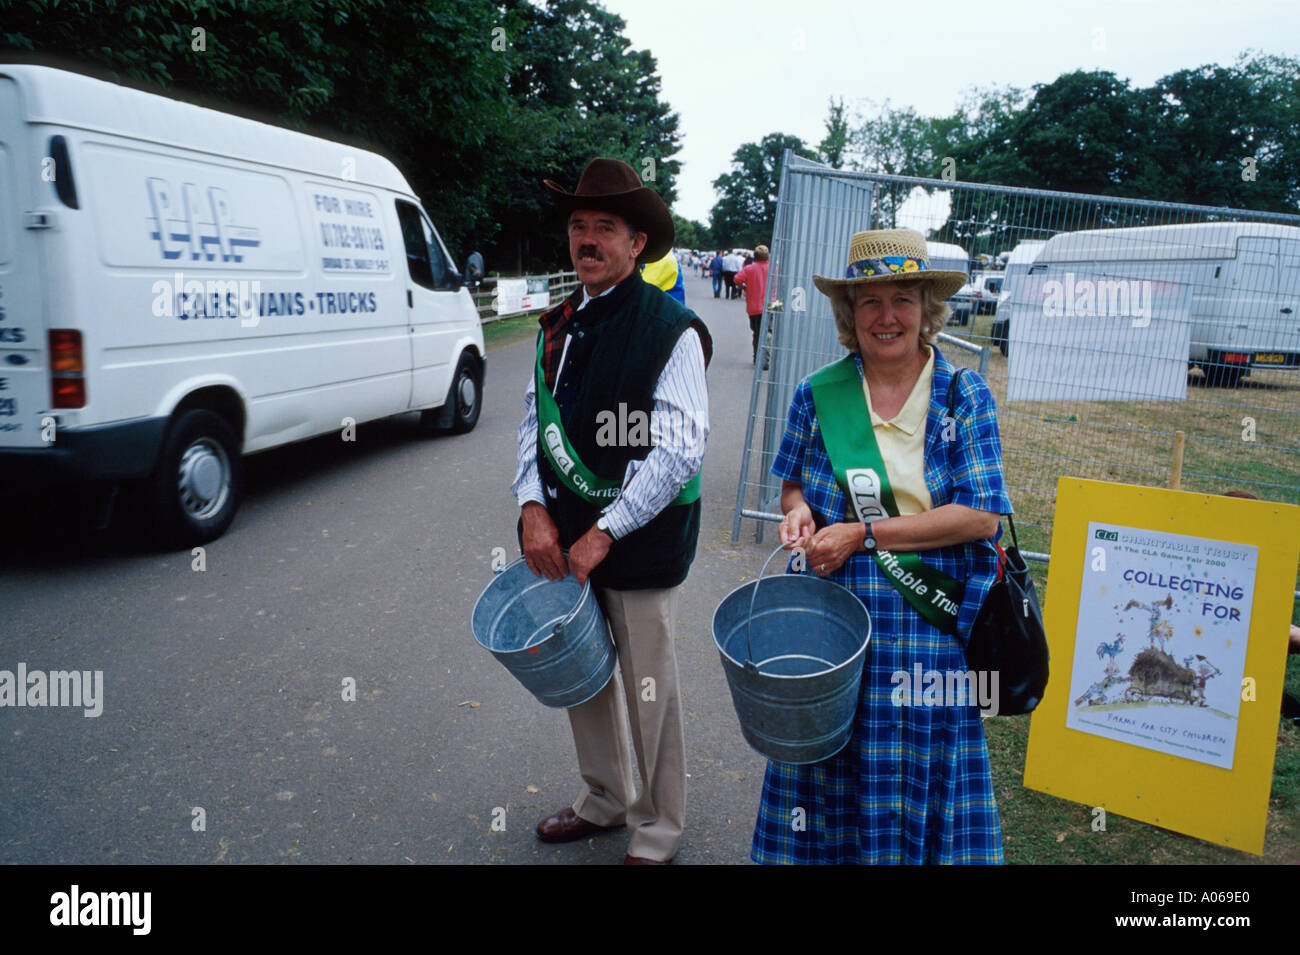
(736, 71)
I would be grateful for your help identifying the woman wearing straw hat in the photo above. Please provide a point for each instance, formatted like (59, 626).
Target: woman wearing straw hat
(887, 495)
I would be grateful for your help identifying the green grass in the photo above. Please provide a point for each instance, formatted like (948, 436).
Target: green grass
(1281, 480)
(509, 331)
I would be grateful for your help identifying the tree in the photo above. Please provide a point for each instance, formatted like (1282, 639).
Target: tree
(692, 234)
(1183, 139)
(745, 214)
(1084, 132)
(475, 101)
(309, 66)
(898, 142)
(834, 145)
(577, 91)
(1211, 119)
(1275, 90)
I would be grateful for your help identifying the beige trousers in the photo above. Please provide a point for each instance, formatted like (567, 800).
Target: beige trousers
(643, 625)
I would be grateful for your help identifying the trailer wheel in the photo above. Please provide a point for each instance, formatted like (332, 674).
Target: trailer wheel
(198, 480)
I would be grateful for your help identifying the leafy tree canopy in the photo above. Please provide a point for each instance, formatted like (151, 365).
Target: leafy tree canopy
(475, 101)
(745, 213)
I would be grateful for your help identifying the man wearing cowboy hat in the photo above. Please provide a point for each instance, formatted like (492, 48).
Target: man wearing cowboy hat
(624, 505)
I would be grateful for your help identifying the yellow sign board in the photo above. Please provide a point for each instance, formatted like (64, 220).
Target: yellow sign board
(1167, 616)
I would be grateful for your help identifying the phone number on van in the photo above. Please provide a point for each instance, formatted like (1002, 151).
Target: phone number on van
(340, 236)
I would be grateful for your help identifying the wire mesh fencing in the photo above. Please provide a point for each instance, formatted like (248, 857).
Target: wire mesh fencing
(1124, 340)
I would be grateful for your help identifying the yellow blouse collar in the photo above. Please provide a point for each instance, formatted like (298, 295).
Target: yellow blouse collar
(912, 415)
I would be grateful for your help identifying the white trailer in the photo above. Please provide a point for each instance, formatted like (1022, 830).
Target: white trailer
(946, 255)
(1240, 282)
(180, 286)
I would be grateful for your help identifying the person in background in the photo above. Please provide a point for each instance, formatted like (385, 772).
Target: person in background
(730, 266)
(474, 270)
(715, 270)
(753, 280)
(666, 274)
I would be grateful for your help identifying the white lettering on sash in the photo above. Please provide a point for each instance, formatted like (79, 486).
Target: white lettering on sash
(555, 443)
(864, 493)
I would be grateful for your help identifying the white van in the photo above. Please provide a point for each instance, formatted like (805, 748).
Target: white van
(1240, 282)
(180, 286)
(1015, 269)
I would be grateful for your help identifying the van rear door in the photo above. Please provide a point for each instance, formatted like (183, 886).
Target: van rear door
(24, 376)
(1288, 299)
(1254, 306)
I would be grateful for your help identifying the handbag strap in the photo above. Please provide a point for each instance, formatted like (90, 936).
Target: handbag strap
(1012, 524)
(952, 390)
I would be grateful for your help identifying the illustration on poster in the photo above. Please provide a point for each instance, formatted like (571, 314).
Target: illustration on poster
(1166, 679)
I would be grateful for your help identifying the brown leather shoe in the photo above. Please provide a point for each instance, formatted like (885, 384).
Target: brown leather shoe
(638, 860)
(566, 826)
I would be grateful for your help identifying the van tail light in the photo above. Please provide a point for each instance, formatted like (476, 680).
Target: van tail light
(1236, 358)
(67, 369)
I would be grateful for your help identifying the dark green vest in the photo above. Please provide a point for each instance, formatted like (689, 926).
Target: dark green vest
(618, 347)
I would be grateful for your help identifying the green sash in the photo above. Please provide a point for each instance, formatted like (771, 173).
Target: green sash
(860, 471)
(575, 475)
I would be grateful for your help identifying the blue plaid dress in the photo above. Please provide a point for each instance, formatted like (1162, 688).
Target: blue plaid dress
(913, 784)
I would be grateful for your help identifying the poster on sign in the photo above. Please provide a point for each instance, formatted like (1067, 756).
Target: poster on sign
(1090, 336)
(1160, 643)
(522, 295)
(1167, 617)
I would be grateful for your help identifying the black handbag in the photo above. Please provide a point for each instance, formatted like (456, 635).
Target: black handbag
(1008, 637)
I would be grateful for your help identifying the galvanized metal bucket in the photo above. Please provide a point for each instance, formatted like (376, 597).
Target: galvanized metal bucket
(793, 651)
(550, 634)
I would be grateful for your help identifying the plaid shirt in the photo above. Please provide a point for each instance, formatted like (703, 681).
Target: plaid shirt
(553, 336)
(913, 784)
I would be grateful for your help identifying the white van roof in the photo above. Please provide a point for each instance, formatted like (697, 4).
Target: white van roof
(61, 98)
(1025, 251)
(945, 250)
(1192, 240)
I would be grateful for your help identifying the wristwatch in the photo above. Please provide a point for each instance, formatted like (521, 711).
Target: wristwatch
(869, 541)
(602, 524)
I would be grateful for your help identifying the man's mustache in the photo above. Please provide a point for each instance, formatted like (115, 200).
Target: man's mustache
(590, 251)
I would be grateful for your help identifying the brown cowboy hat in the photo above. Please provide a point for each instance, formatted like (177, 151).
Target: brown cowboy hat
(611, 185)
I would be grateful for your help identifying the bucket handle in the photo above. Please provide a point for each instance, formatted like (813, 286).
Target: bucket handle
(568, 617)
(750, 666)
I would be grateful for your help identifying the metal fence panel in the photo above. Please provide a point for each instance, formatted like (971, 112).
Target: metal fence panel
(1131, 322)
(814, 215)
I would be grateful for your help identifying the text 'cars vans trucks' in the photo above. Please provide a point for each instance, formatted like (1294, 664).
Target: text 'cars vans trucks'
(180, 286)
(1239, 281)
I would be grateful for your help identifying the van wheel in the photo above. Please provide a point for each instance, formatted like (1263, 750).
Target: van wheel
(198, 480)
(1222, 376)
(466, 395)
